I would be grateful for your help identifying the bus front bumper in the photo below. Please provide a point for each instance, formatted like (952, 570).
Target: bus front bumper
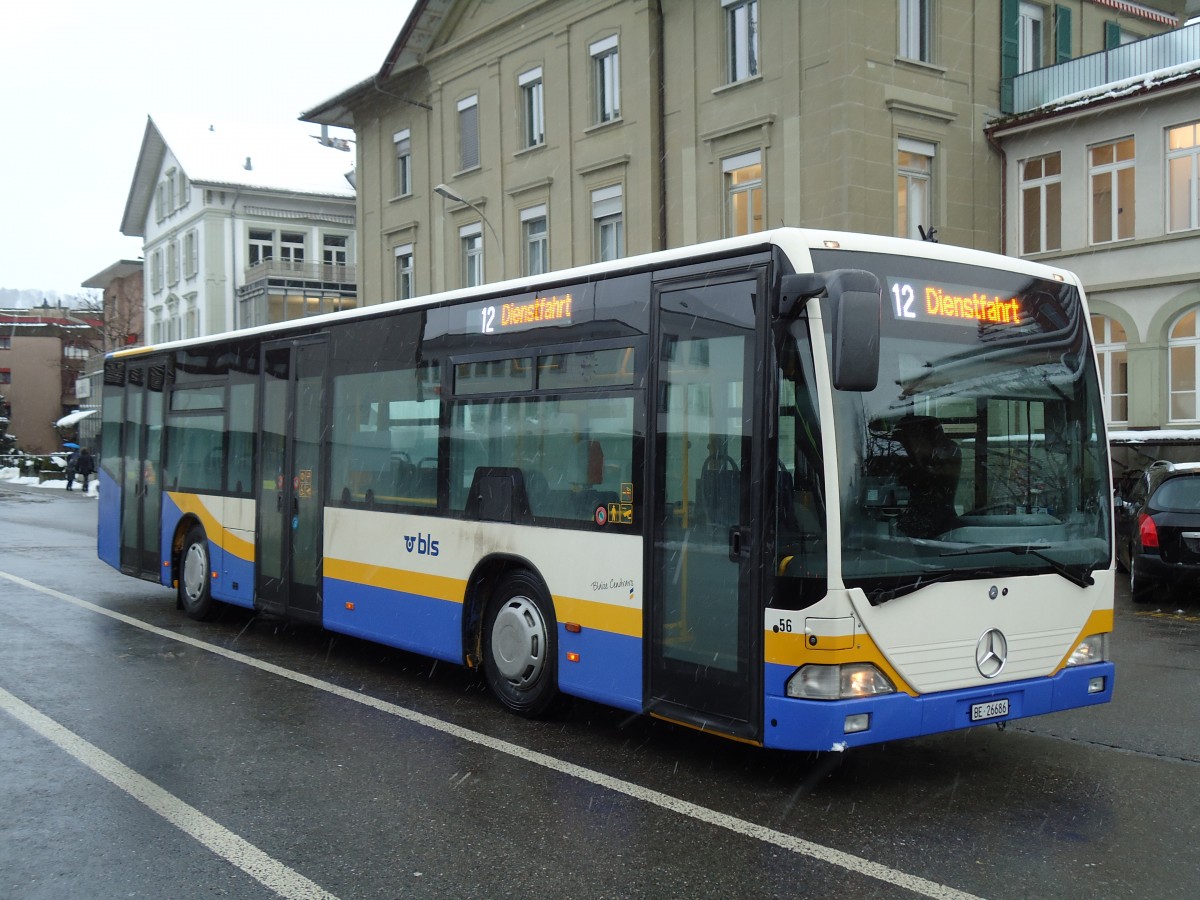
(791, 724)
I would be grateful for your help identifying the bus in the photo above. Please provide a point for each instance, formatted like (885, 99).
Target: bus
(803, 489)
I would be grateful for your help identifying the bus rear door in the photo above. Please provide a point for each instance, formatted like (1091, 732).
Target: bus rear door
(141, 490)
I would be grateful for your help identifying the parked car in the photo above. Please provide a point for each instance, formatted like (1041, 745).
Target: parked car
(1158, 530)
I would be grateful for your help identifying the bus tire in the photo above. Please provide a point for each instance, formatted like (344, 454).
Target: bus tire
(195, 580)
(520, 646)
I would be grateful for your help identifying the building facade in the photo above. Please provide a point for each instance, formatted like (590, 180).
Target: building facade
(243, 224)
(1105, 181)
(509, 138)
(43, 352)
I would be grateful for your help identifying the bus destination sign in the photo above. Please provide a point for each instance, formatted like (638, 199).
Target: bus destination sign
(952, 304)
(551, 310)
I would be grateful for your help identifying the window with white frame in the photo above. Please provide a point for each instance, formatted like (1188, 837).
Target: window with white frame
(606, 80)
(181, 191)
(160, 201)
(402, 140)
(1031, 22)
(1113, 358)
(1111, 170)
(608, 223)
(916, 30)
(156, 271)
(1183, 177)
(1041, 203)
(743, 193)
(405, 284)
(156, 325)
(468, 133)
(191, 322)
(173, 262)
(174, 329)
(470, 238)
(533, 110)
(741, 39)
(1184, 364)
(535, 238)
(914, 187)
(262, 246)
(191, 258)
(334, 255)
(291, 249)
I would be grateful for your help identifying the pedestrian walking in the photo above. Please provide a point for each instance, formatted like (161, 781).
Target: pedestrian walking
(72, 464)
(84, 466)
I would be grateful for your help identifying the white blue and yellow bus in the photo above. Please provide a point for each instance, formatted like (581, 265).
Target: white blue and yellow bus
(803, 489)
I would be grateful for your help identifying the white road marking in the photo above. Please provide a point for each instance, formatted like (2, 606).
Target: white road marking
(224, 843)
(743, 827)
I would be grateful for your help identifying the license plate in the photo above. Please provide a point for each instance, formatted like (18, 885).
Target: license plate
(993, 709)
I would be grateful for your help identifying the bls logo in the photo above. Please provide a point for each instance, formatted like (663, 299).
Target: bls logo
(424, 544)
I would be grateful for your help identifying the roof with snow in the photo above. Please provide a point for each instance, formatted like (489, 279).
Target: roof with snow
(284, 156)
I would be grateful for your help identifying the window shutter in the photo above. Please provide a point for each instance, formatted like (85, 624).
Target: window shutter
(1112, 35)
(1062, 34)
(1010, 51)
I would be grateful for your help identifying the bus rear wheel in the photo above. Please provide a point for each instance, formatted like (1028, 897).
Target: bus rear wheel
(195, 581)
(520, 646)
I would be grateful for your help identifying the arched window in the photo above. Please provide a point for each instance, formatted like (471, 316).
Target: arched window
(1182, 357)
(1113, 357)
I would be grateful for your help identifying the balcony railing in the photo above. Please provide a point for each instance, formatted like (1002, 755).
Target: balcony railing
(323, 273)
(1043, 86)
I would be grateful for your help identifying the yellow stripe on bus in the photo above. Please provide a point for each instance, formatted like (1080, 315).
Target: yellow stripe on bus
(190, 504)
(587, 613)
(602, 616)
(439, 587)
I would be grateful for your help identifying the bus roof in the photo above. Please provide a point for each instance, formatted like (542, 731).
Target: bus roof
(795, 242)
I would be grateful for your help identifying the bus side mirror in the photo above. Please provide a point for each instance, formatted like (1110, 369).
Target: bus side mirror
(855, 300)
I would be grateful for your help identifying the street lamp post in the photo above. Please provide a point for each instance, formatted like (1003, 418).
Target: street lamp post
(448, 194)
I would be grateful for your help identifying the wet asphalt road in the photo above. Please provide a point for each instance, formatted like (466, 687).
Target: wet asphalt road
(242, 758)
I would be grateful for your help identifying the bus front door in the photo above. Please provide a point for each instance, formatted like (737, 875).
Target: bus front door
(704, 658)
(289, 479)
(141, 490)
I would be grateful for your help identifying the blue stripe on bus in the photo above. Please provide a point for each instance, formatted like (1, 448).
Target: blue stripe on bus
(413, 622)
(791, 724)
(609, 669)
(108, 530)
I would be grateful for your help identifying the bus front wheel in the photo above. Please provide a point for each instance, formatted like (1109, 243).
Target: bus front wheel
(195, 585)
(519, 644)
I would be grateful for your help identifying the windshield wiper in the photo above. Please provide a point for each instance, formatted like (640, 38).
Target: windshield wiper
(1081, 578)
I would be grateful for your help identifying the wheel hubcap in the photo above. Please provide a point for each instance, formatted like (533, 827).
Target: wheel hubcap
(519, 641)
(195, 570)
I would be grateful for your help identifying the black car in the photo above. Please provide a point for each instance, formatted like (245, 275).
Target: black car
(1158, 530)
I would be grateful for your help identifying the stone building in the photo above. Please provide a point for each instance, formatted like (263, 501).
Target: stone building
(508, 138)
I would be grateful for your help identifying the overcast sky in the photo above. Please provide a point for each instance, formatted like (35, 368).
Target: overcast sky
(80, 77)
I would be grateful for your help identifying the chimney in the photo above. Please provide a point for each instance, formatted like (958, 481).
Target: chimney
(248, 167)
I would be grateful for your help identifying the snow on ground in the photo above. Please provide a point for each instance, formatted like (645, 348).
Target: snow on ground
(13, 475)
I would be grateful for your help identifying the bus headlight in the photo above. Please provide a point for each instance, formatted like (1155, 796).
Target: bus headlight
(840, 682)
(1092, 649)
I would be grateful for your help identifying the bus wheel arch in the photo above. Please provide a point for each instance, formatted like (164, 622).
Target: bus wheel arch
(193, 570)
(512, 635)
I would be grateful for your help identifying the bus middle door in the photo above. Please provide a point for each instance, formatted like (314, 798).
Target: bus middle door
(290, 503)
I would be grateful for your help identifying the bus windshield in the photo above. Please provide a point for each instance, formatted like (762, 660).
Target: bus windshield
(982, 447)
